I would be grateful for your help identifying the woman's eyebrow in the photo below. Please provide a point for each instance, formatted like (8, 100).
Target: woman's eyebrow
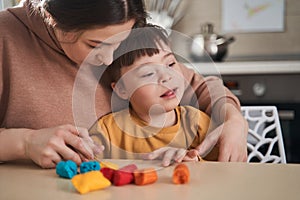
(99, 42)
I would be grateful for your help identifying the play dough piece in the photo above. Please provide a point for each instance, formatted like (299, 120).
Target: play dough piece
(89, 166)
(124, 175)
(108, 173)
(66, 169)
(122, 178)
(129, 168)
(109, 165)
(145, 176)
(181, 174)
(90, 181)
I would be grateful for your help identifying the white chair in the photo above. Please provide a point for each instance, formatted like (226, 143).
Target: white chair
(265, 141)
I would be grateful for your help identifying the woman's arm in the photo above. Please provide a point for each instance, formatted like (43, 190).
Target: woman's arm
(230, 136)
(46, 147)
(210, 95)
(12, 144)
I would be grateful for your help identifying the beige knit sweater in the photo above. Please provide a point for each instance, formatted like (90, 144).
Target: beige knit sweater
(38, 84)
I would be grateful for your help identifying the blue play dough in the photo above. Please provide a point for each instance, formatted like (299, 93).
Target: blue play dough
(89, 166)
(66, 169)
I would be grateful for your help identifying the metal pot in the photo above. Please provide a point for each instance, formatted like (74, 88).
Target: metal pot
(208, 45)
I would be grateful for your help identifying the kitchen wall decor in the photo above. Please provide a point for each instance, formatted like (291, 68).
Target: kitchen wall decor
(253, 15)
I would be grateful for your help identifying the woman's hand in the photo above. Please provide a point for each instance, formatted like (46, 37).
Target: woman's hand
(230, 137)
(169, 154)
(47, 147)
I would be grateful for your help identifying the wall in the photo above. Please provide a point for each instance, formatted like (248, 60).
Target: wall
(279, 45)
(276, 45)
(9, 3)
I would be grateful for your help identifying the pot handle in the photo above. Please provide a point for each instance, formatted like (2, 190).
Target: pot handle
(224, 40)
(230, 40)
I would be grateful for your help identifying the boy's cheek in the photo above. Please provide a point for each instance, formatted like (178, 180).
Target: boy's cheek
(133, 85)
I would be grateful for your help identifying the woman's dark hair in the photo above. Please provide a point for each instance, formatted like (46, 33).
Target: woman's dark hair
(145, 41)
(72, 15)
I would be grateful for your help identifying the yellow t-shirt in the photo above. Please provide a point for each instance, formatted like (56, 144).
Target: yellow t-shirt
(125, 136)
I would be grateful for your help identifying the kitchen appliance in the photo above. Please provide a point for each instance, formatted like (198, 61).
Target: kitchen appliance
(165, 13)
(208, 45)
(279, 89)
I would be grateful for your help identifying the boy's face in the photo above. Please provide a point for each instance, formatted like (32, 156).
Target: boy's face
(152, 84)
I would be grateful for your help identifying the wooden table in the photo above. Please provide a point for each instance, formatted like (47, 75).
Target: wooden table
(209, 180)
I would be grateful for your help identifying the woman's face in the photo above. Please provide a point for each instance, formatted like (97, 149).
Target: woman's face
(96, 46)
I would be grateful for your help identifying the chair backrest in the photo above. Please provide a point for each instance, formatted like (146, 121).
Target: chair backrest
(265, 141)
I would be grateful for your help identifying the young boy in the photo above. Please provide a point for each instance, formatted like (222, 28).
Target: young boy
(148, 77)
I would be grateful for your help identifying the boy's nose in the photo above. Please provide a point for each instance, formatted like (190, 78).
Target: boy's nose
(165, 77)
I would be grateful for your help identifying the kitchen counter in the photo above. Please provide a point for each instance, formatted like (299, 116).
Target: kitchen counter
(247, 67)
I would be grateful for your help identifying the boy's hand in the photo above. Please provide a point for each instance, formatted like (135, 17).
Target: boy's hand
(169, 154)
(191, 155)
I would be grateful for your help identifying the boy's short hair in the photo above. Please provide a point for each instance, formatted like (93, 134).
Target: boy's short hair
(145, 41)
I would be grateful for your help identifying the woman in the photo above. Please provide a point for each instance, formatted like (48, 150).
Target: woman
(42, 46)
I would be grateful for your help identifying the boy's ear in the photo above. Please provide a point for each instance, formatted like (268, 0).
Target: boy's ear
(120, 90)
